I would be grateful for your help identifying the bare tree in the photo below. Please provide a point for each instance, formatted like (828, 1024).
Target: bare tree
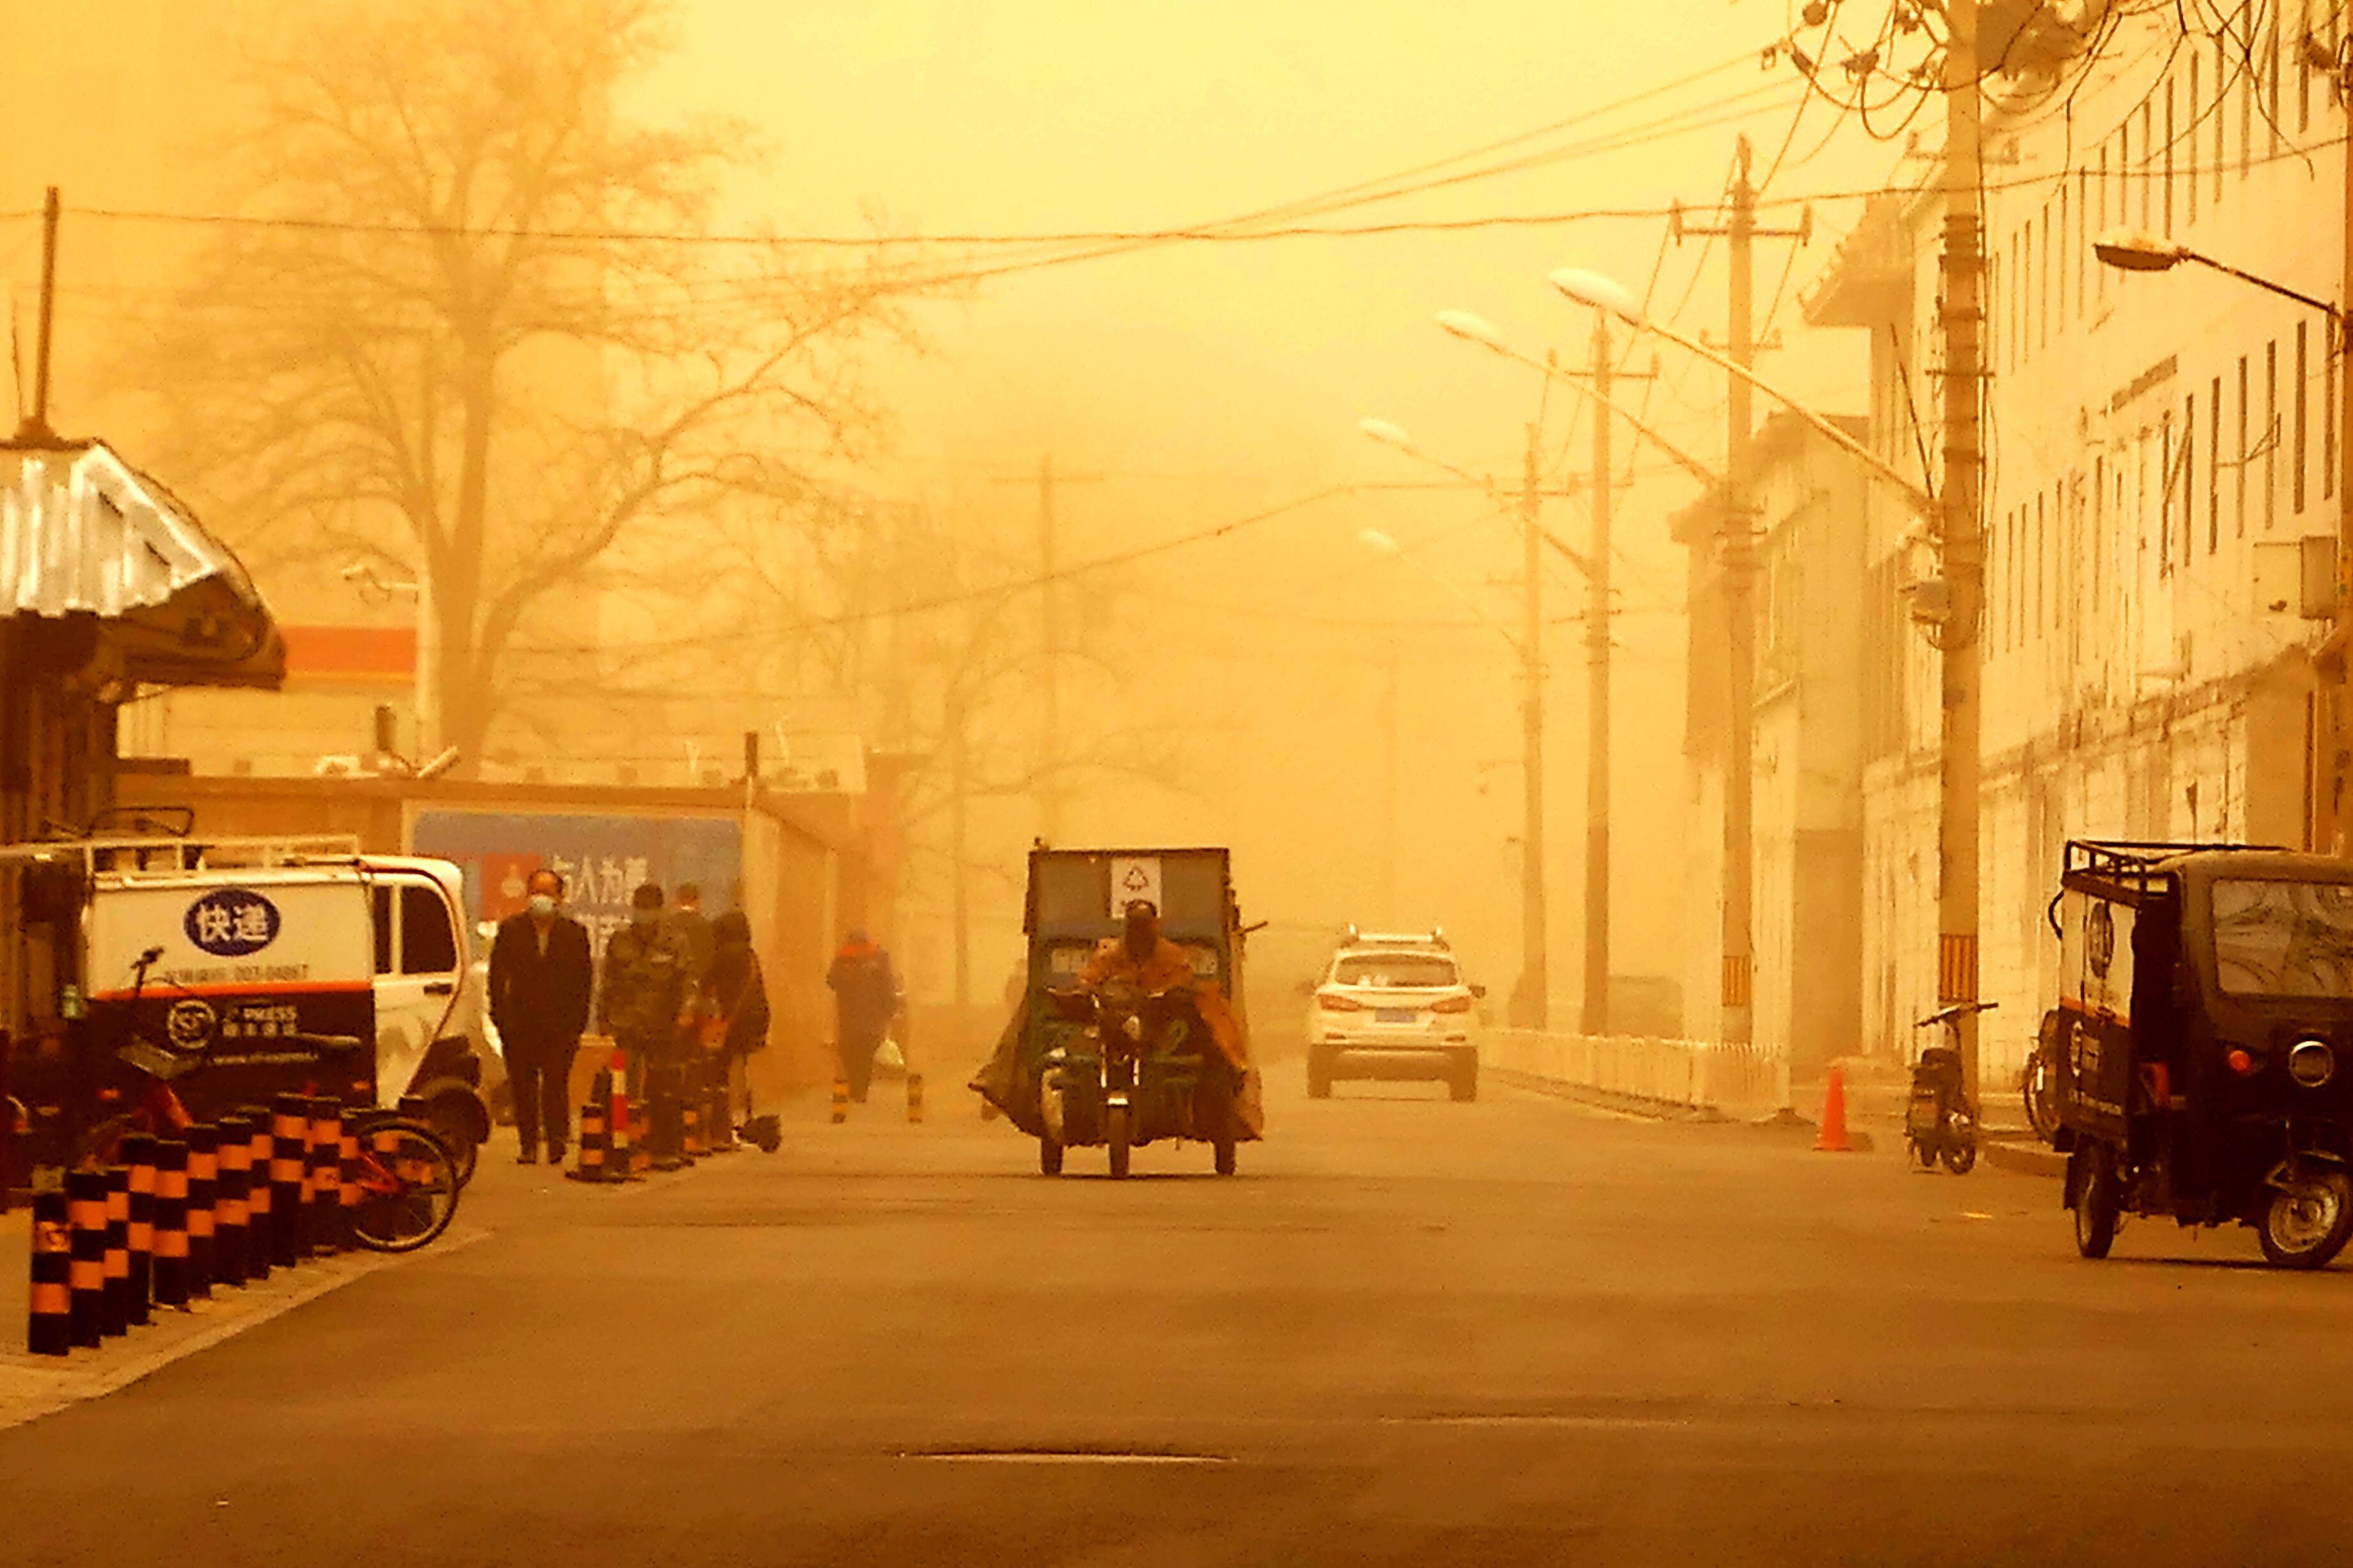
(474, 323)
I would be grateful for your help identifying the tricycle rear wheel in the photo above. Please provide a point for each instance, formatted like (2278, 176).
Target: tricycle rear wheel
(2099, 1200)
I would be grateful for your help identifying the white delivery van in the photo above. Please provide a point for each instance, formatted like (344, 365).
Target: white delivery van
(258, 952)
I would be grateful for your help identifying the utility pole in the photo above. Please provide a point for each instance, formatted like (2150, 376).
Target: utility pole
(1389, 735)
(1531, 1007)
(1737, 557)
(2328, 799)
(1050, 785)
(1596, 1010)
(33, 429)
(1960, 318)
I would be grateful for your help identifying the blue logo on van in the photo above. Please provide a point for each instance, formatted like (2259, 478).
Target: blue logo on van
(232, 922)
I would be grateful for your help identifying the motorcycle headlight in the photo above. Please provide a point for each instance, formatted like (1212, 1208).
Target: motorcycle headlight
(2311, 1063)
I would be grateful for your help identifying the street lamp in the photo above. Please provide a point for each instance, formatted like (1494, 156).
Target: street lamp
(1530, 1005)
(2130, 251)
(1608, 297)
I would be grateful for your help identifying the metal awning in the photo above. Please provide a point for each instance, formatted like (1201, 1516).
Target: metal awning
(84, 534)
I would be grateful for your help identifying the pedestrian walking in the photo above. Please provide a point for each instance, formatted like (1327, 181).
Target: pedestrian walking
(540, 982)
(642, 1004)
(734, 1012)
(865, 1000)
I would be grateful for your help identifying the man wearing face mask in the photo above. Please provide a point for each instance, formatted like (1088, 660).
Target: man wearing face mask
(540, 982)
(644, 988)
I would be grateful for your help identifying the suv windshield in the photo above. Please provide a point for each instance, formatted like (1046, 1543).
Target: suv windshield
(1394, 970)
(2284, 939)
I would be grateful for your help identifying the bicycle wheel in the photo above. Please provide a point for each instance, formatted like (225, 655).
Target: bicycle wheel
(408, 1187)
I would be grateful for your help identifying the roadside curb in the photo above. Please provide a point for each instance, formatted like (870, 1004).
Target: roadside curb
(1636, 1109)
(34, 1386)
(2026, 1159)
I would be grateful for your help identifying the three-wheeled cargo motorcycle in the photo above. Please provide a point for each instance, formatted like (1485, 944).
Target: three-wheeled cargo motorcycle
(2203, 1042)
(1114, 1065)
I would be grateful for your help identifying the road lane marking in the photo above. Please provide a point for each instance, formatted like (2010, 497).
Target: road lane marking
(1061, 1456)
(1581, 1423)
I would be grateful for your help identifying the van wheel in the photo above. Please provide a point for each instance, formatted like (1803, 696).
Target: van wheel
(1463, 1077)
(1319, 1073)
(2099, 1200)
(2306, 1226)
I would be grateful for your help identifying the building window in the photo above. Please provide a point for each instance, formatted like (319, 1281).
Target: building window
(2214, 466)
(2168, 156)
(2270, 434)
(2297, 414)
(2190, 149)
(2189, 478)
(2041, 561)
(2328, 421)
(2271, 100)
(2222, 112)
(2239, 478)
(2042, 285)
(2303, 77)
(2083, 248)
(2099, 516)
(2246, 117)
(2165, 493)
(2149, 149)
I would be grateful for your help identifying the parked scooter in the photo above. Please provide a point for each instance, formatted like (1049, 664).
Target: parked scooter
(1940, 1121)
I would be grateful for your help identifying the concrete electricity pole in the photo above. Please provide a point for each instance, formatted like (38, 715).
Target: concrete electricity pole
(1596, 1018)
(1738, 558)
(1531, 1007)
(1049, 730)
(1050, 735)
(1961, 315)
(2328, 799)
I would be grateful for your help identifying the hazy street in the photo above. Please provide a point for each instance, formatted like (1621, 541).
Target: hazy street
(1518, 1331)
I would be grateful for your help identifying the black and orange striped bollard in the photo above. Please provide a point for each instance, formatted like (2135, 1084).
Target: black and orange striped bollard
(288, 1129)
(203, 1173)
(233, 1182)
(171, 1223)
(115, 1306)
(86, 1276)
(138, 1156)
(326, 1184)
(914, 1097)
(261, 1216)
(49, 1329)
(842, 1100)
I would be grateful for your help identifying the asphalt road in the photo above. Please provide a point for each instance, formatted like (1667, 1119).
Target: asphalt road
(1408, 1332)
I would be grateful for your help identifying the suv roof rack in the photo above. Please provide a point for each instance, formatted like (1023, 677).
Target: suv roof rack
(1434, 937)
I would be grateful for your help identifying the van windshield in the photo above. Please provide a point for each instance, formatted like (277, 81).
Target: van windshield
(2284, 939)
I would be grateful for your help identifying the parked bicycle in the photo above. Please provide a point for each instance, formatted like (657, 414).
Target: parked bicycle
(2038, 1079)
(408, 1181)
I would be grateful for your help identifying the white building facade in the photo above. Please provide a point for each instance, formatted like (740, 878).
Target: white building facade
(2157, 446)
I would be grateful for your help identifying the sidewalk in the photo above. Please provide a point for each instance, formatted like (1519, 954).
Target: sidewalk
(33, 1386)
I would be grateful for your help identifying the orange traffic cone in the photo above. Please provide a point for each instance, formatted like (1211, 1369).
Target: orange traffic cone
(1833, 1139)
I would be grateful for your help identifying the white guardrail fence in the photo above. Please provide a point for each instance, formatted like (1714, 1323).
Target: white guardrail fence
(1699, 1075)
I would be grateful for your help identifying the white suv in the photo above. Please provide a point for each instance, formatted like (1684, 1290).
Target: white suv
(1393, 1007)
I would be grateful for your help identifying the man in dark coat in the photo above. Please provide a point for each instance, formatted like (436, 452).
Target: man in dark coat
(694, 931)
(642, 1001)
(540, 981)
(865, 1000)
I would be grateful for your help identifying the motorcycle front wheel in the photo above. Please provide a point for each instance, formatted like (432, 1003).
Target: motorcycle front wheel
(2306, 1224)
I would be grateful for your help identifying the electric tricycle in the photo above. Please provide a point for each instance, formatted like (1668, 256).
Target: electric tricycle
(2203, 1042)
(1156, 1052)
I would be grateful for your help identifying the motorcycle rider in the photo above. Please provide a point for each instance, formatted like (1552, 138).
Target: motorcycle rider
(1141, 957)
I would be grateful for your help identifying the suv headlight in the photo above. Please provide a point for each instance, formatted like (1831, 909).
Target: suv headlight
(2311, 1063)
